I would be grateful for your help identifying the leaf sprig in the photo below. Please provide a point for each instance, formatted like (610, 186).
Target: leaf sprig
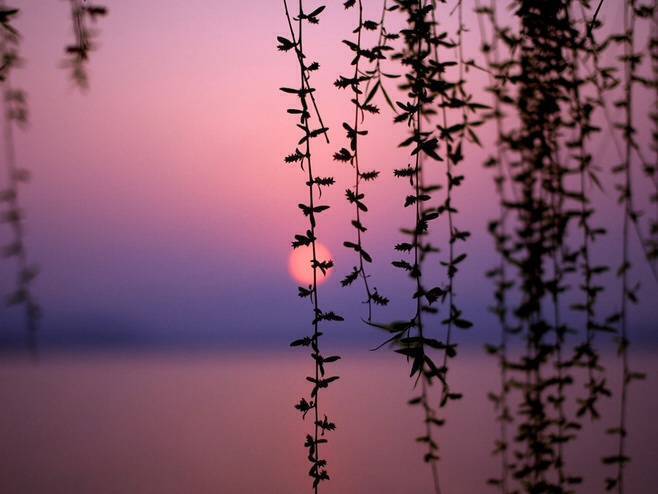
(302, 155)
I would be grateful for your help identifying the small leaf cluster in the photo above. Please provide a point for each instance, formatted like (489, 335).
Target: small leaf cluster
(77, 54)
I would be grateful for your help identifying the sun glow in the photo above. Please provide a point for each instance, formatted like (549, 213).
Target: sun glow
(299, 264)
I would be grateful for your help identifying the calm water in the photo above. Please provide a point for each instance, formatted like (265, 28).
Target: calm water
(226, 424)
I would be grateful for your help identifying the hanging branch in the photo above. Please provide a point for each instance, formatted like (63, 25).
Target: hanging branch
(586, 354)
(425, 84)
(498, 229)
(318, 471)
(560, 262)
(453, 96)
(537, 245)
(77, 54)
(551, 97)
(354, 195)
(409, 335)
(425, 143)
(651, 168)
(629, 293)
(605, 80)
(15, 114)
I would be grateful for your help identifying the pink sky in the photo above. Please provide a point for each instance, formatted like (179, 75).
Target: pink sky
(160, 199)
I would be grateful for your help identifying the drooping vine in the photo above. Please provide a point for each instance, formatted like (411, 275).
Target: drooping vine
(631, 61)
(302, 155)
(15, 113)
(586, 355)
(549, 87)
(362, 105)
(552, 176)
(430, 93)
(605, 81)
(411, 335)
(651, 167)
(415, 56)
(498, 229)
(16, 116)
(537, 208)
(454, 137)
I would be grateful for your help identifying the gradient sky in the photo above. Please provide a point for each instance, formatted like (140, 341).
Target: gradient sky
(160, 207)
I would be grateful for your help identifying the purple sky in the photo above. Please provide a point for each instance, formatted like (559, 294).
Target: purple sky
(160, 206)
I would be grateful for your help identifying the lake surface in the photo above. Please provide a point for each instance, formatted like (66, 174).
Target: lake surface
(219, 423)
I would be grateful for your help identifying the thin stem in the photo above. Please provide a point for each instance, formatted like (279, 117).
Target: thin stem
(313, 442)
(300, 58)
(629, 21)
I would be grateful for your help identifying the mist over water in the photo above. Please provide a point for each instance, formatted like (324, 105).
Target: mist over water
(173, 423)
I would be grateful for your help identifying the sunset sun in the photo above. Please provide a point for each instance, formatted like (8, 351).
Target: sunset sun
(299, 264)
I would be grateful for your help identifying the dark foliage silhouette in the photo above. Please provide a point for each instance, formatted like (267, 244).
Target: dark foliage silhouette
(15, 115)
(558, 81)
(318, 471)
(429, 93)
(362, 105)
(551, 79)
(549, 92)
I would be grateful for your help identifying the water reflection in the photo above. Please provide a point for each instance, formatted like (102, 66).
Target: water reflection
(219, 423)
